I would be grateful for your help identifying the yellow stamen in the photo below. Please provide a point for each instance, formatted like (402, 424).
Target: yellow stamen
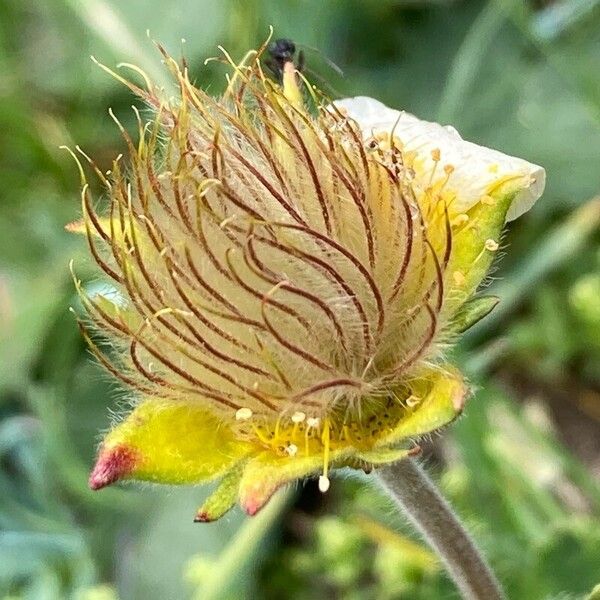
(259, 434)
(435, 156)
(306, 447)
(449, 169)
(277, 425)
(323, 479)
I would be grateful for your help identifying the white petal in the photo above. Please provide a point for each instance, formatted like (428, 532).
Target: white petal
(476, 168)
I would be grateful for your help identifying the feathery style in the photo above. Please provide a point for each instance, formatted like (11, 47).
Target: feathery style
(287, 275)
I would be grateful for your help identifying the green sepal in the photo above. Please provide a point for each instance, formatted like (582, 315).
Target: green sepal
(470, 259)
(223, 498)
(383, 456)
(471, 312)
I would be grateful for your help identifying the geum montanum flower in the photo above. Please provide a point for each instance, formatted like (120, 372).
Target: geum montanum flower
(288, 273)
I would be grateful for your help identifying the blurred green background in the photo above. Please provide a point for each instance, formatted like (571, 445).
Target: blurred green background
(523, 465)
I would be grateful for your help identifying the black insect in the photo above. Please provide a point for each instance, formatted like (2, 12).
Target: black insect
(280, 52)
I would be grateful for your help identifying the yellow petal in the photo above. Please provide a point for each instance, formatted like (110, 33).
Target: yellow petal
(439, 397)
(167, 442)
(477, 171)
(266, 473)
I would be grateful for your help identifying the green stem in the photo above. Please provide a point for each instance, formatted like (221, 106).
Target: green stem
(417, 496)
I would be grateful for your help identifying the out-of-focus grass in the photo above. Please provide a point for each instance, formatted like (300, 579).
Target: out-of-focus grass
(522, 466)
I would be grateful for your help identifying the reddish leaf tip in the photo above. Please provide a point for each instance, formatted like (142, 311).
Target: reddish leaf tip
(202, 517)
(415, 451)
(459, 398)
(252, 504)
(111, 466)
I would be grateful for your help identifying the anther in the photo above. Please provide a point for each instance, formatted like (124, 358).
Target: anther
(412, 401)
(448, 169)
(292, 450)
(460, 219)
(313, 421)
(323, 483)
(436, 154)
(491, 245)
(243, 414)
(298, 417)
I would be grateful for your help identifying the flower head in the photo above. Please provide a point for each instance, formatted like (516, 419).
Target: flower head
(287, 276)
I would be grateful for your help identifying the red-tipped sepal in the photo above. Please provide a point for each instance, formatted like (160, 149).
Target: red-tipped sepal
(112, 464)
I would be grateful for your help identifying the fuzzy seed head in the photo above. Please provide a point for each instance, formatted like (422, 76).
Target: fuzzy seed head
(272, 263)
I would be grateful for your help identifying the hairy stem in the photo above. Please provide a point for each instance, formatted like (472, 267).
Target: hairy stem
(430, 513)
